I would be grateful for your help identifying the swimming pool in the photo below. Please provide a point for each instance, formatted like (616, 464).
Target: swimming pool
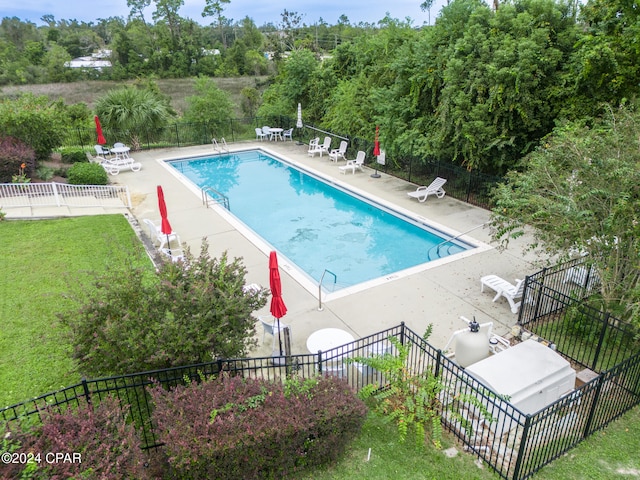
(318, 226)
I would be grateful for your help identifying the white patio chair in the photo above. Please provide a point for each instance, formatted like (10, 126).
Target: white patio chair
(435, 188)
(505, 289)
(353, 164)
(156, 235)
(313, 147)
(287, 134)
(270, 326)
(339, 153)
(260, 135)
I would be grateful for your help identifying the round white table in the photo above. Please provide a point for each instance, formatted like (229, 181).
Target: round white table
(121, 152)
(328, 338)
(276, 133)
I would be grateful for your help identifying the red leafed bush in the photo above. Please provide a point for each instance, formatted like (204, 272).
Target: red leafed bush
(235, 428)
(91, 443)
(13, 154)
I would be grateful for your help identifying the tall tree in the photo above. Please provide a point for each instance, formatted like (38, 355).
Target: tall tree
(214, 8)
(580, 191)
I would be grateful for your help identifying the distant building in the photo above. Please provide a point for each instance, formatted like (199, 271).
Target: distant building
(96, 61)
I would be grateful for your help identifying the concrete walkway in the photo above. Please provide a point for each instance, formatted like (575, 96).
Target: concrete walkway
(438, 295)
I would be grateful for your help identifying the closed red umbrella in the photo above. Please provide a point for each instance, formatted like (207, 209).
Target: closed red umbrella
(165, 226)
(101, 139)
(278, 308)
(376, 143)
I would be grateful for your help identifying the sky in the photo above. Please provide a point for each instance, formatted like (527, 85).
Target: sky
(370, 11)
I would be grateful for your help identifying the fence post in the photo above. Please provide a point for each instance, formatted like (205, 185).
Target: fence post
(85, 387)
(594, 405)
(605, 324)
(438, 360)
(402, 333)
(56, 195)
(522, 448)
(320, 362)
(469, 191)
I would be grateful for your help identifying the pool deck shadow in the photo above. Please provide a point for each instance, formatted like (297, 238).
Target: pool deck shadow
(438, 296)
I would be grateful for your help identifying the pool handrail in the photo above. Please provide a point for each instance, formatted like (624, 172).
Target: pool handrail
(335, 280)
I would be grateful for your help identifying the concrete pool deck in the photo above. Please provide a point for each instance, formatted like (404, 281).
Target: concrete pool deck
(439, 295)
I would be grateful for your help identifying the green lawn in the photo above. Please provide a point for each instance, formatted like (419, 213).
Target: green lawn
(41, 260)
(609, 454)
(390, 459)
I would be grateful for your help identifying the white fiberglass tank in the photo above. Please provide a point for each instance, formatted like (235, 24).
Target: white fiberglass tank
(531, 374)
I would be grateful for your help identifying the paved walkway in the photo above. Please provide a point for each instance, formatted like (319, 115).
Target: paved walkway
(438, 295)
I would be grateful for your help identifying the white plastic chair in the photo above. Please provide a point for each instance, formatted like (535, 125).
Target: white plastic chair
(260, 135)
(313, 147)
(353, 164)
(339, 153)
(287, 134)
(504, 289)
(158, 237)
(271, 326)
(435, 188)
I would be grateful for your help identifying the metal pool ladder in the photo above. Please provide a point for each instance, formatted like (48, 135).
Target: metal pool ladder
(212, 196)
(335, 279)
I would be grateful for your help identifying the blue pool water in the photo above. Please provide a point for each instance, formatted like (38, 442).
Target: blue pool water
(315, 225)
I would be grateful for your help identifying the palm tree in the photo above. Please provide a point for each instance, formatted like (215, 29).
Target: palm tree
(133, 111)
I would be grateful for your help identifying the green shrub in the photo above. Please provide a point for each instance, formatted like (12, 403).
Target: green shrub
(87, 174)
(73, 154)
(13, 154)
(36, 120)
(99, 442)
(187, 312)
(45, 173)
(235, 428)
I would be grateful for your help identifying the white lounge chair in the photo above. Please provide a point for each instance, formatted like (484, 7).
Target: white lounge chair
(435, 188)
(287, 134)
(320, 147)
(156, 235)
(113, 166)
(587, 278)
(339, 153)
(505, 289)
(313, 146)
(325, 146)
(353, 164)
(174, 254)
(260, 135)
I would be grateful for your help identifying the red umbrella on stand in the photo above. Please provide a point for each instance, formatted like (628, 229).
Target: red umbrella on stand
(166, 226)
(376, 151)
(278, 308)
(101, 139)
(376, 143)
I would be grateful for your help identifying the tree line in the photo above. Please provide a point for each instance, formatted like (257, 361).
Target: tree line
(166, 45)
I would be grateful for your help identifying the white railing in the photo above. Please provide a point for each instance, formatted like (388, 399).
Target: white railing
(63, 195)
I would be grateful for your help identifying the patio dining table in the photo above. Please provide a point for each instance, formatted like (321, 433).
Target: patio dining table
(121, 152)
(276, 133)
(328, 338)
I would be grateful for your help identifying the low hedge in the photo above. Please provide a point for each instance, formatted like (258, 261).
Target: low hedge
(234, 428)
(73, 154)
(87, 442)
(87, 174)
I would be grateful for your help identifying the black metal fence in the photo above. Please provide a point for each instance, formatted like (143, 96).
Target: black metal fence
(512, 443)
(554, 309)
(472, 187)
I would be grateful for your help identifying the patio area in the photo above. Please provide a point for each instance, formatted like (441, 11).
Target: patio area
(438, 295)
